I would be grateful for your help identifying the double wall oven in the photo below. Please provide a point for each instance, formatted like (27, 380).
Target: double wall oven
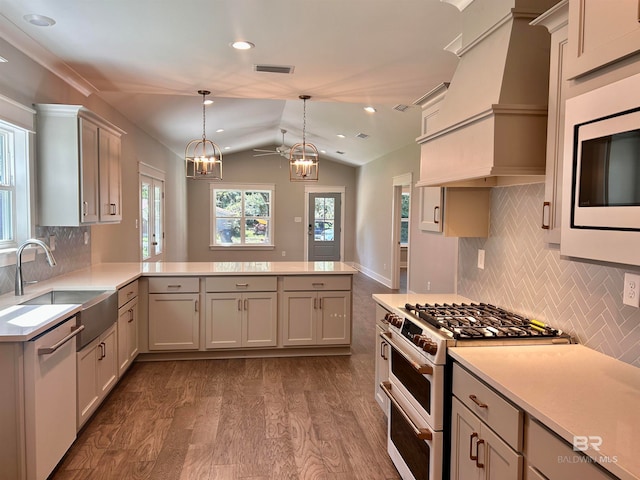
(413, 340)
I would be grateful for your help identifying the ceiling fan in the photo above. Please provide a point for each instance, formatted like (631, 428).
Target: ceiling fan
(282, 150)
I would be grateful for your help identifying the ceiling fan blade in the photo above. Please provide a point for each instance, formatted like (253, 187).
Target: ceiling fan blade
(265, 151)
(265, 154)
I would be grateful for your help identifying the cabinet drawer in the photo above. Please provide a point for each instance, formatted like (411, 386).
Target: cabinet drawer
(174, 284)
(127, 293)
(248, 283)
(543, 449)
(317, 282)
(503, 417)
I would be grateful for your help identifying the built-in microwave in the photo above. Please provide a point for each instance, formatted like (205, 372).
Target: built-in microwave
(601, 174)
(606, 186)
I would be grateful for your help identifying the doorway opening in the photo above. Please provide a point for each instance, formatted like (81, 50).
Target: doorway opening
(400, 232)
(151, 213)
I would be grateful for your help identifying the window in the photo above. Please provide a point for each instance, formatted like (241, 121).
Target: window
(242, 215)
(7, 187)
(404, 219)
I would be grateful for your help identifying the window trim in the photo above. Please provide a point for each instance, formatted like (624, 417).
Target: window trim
(243, 187)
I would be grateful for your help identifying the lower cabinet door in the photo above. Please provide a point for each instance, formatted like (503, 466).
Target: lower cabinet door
(223, 326)
(465, 432)
(334, 325)
(128, 344)
(88, 392)
(299, 318)
(174, 321)
(107, 361)
(260, 319)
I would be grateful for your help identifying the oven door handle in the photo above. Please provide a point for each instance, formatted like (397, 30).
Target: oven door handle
(422, 369)
(420, 433)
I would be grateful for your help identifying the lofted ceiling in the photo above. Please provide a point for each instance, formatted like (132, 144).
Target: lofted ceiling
(148, 59)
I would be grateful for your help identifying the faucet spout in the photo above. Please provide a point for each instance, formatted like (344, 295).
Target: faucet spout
(19, 283)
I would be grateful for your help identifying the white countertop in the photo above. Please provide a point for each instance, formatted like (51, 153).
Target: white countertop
(112, 276)
(573, 390)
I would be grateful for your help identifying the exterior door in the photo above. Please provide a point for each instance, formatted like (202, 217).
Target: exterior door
(325, 227)
(151, 219)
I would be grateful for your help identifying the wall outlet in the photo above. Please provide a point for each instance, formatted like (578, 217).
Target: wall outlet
(481, 259)
(631, 292)
(86, 238)
(428, 286)
(52, 242)
(284, 254)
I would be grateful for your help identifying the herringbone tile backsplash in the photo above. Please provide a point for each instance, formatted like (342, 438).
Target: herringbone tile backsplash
(524, 274)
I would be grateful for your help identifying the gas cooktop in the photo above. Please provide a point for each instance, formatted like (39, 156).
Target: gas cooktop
(480, 320)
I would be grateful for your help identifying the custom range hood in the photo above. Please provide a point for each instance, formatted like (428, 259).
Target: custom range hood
(489, 126)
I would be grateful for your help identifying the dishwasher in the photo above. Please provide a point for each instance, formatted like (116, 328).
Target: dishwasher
(50, 397)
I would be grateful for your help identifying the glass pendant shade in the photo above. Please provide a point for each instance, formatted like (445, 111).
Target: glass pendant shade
(303, 157)
(203, 158)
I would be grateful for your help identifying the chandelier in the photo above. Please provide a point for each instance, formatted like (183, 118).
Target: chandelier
(203, 158)
(303, 157)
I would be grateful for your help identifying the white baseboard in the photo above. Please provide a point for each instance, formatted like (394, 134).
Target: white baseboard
(371, 274)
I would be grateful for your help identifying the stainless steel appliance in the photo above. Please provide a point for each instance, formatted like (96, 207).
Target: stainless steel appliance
(417, 338)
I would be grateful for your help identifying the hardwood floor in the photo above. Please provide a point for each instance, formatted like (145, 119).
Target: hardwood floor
(276, 418)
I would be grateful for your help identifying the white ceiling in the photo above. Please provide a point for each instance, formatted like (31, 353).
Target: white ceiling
(148, 58)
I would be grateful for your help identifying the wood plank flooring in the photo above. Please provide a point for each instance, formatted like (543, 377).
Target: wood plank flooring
(259, 419)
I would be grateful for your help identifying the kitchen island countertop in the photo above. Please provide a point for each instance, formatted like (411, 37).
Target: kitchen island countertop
(573, 390)
(112, 276)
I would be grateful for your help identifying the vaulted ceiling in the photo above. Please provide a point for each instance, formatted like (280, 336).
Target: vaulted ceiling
(148, 59)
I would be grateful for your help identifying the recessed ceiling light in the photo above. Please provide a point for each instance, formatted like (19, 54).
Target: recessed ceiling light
(220, 130)
(242, 45)
(39, 20)
(341, 135)
(227, 148)
(370, 109)
(323, 151)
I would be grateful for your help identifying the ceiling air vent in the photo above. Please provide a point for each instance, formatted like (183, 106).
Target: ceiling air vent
(362, 135)
(286, 69)
(401, 108)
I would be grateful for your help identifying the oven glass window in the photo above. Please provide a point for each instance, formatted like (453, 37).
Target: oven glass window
(417, 384)
(414, 452)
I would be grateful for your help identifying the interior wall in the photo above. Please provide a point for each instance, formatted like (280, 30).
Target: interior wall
(27, 82)
(524, 274)
(243, 167)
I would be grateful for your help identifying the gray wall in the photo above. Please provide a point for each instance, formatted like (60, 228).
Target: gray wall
(243, 167)
(26, 82)
(432, 257)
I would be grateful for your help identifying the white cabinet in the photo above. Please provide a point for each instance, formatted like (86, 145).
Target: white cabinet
(316, 310)
(601, 32)
(543, 448)
(97, 365)
(486, 432)
(241, 312)
(174, 318)
(556, 21)
(382, 360)
(128, 344)
(74, 140)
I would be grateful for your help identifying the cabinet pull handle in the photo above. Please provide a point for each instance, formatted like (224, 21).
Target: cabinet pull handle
(239, 305)
(102, 355)
(315, 303)
(420, 433)
(475, 400)
(47, 350)
(546, 208)
(320, 304)
(196, 305)
(130, 315)
(471, 456)
(318, 284)
(246, 304)
(242, 285)
(478, 464)
(435, 214)
(178, 285)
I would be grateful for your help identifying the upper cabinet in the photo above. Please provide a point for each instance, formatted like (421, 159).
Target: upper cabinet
(78, 167)
(601, 32)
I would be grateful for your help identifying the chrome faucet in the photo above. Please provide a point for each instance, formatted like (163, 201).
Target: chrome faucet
(32, 241)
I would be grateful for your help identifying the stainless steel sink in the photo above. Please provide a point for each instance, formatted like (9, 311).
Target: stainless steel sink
(98, 312)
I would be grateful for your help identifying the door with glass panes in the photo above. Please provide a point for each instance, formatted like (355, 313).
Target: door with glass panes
(325, 226)
(151, 219)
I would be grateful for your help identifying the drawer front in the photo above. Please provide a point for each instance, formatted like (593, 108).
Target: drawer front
(544, 450)
(174, 284)
(247, 283)
(317, 282)
(504, 418)
(128, 292)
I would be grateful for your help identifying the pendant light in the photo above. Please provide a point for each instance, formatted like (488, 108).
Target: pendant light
(203, 158)
(303, 157)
